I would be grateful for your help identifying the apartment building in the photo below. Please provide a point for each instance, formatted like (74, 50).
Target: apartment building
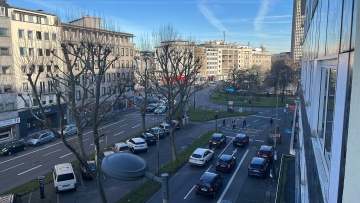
(261, 57)
(329, 104)
(297, 32)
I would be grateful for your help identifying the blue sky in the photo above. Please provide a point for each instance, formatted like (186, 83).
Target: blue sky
(266, 22)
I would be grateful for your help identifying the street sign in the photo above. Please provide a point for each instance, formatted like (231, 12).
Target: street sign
(287, 105)
(288, 131)
(292, 108)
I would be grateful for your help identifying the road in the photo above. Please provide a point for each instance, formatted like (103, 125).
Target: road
(27, 165)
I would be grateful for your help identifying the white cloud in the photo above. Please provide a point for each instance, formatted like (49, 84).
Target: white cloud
(263, 9)
(210, 16)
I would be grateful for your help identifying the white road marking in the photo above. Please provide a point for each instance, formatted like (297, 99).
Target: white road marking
(225, 148)
(122, 125)
(29, 170)
(65, 155)
(208, 168)
(30, 152)
(86, 139)
(99, 142)
(11, 167)
(256, 120)
(119, 133)
(52, 152)
(189, 192)
(259, 141)
(232, 178)
(136, 126)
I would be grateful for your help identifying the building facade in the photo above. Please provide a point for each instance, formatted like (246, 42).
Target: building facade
(297, 32)
(262, 58)
(330, 98)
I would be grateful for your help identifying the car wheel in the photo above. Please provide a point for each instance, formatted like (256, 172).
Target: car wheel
(132, 150)
(9, 153)
(212, 157)
(210, 146)
(52, 140)
(25, 148)
(37, 144)
(196, 193)
(214, 194)
(205, 164)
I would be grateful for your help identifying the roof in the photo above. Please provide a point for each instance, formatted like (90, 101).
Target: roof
(225, 157)
(200, 150)
(137, 139)
(240, 135)
(165, 124)
(149, 135)
(107, 153)
(121, 143)
(63, 168)
(257, 160)
(208, 176)
(216, 135)
(265, 148)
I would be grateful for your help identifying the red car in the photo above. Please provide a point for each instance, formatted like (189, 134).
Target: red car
(266, 152)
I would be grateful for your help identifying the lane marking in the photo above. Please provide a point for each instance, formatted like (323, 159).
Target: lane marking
(65, 155)
(122, 125)
(93, 143)
(52, 152)
(208, 168)
(45, 147)
(189, 192)
(119, 133)
(232, 178)
(11, 167)
(136, 126)
(86, 139)
(29, 170)
(225, 148)
(259, 141)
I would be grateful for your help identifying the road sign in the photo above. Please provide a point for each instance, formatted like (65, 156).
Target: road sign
(287, 105)
(288, 131)
(292, 108)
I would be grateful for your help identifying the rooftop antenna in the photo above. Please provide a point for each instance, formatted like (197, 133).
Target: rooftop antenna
(224, 33)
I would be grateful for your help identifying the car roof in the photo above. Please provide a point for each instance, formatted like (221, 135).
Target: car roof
(137, 139)
(121, 143)
(240, 135)
(91, 162)
(200, 151)
(216, 135)
(225, 157)
(208, 176)
(165, 124)
(63, 168)
(257, 160)
(107, 153)
(266, 148)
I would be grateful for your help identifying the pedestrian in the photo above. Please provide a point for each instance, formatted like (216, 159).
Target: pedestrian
(244, 123)
(224, 123)
(233, 123)
(271, 121)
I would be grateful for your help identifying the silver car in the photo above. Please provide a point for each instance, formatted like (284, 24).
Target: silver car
(41, 138)
(69, 130)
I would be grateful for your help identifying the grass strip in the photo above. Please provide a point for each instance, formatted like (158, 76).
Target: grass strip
(242, 101)
(149, 187)
(206, 115)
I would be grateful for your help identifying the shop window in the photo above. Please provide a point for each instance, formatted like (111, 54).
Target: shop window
(35, 102)
(9, 107)
(25, 86)
(5, 70)
(1, 108)
(43, 101)
(51, 99)
(27, 103)
(78, 95)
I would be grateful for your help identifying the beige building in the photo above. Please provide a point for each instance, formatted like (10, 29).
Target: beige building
(261, 57)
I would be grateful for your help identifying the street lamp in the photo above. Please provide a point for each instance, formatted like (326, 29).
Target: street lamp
(194, 97)
(158, 143)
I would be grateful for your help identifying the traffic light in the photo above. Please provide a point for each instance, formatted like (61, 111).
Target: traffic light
(215, 116)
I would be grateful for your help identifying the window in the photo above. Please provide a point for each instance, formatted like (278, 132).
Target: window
(103, 78)
(127, 64)
(4, 32)
(38, 35)
(9, 107)
(127, 52)
(76, 65)
(103, 91)
(7, 88)
(30, 18)
(31, 51)
(91, 93)
(38, 20)
(108, 77)
(50, 87)
(46, 36)
(47, 52)
(21, 33)
(21, 17)
(30, 34)
(78, 95)
(122, 51)
(42, 87)
(4, 51)
(109, 90)
(2, 11)
(43, 101)
(48, 68)
(117, 51)
(46, 21)
(13, 16)
(22, 51)
(122, 64)
(51, 99)
(5, 70)
(23, 69)
(113, 77)
(40, 52)
(131, 64)
(25, 86)
(131, 52)
(1, 108)
(53, 37)
(117, 64)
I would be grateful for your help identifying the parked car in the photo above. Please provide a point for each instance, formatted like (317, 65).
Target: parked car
(83, 171)
(151, 107)
(226, 163)
(266, 152)
(201, 157)
(241, 140)
(107, 153)
(217, 140)
(64, 177)
(165, 127)
(149, 138)
(13, 147)
(10, 198)
(208, 184)
(136, 144)
(160, 110)
(157, 132)
(41, 138)
(258, 167)
(120, 147)
(173, 123)
(68, 130)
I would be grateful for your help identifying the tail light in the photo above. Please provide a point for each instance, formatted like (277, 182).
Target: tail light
(56, 188)
(201, 159)
(228, 165)
(211, 189)
(218, 142)
(209, 140)
(217, 163)
(197, 187)
(86, 172)
(234, 139)
(190, 158)
(244, 140)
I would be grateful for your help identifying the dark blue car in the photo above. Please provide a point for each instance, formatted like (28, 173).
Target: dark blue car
(258, 167)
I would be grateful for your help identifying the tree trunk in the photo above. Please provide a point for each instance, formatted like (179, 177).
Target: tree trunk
(98, 183)
(143, 115)
(172, 144)
(98, 167)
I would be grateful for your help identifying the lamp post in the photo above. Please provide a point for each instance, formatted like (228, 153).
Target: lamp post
(194, 97)
(277, 106)
(157, 145)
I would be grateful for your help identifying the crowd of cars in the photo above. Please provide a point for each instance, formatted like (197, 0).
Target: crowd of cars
(210, 182)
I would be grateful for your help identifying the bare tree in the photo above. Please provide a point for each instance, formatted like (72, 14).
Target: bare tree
(84, 78)
(179, 67)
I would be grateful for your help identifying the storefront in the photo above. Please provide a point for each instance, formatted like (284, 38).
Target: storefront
(8, 128)
(29, 123)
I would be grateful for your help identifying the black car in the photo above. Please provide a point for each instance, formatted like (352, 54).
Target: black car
(217, 140)
(208, 184)
(149, 138)
(226, 163)
(84, 173)
(13, 147)
(151, 107)
(241, 140)
(157, 132)
(258, 167)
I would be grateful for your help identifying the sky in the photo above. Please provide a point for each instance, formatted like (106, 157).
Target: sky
(258, 22)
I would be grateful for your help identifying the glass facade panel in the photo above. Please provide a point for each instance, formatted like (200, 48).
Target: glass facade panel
(346, 26)
(323, 5)
(322, 117)
(333, 27)
(353, 30)
(330, 115)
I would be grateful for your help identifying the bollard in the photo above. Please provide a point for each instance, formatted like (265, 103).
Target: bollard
(41, 182)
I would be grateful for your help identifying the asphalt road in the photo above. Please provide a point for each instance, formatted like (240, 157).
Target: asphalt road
(24, 166)
(237, 186)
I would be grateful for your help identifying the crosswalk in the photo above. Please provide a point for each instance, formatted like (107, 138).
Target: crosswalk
(148, 117)
(232, 132)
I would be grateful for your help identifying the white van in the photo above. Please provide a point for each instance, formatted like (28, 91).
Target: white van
(64, 177)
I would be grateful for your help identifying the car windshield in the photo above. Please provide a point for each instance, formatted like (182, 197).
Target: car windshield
(65, 177)
(239, 138)
(223, 160)
(265, 152)
(36, 136)
(256, 166)
(204, 183)
(9, 144)
(140, 143)
(152, 105)
(124, 148)
(215, 138)
(149, 136)
(167, 127)
(196, 156)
